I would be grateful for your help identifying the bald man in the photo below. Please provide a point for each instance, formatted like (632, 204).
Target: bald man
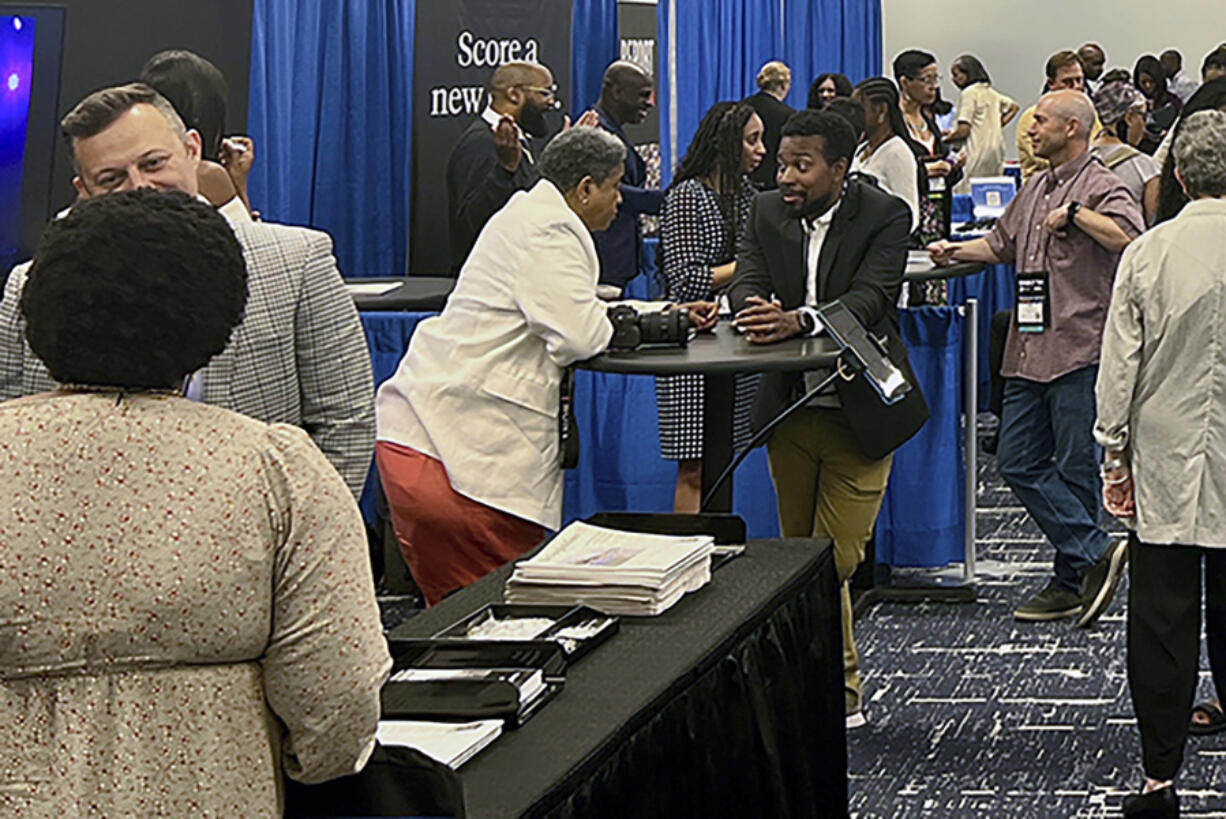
(492, 159)
(1064, 232)
(1093, 58)
(626, 99)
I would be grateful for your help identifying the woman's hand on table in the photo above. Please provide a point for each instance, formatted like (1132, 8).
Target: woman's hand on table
(704, 315)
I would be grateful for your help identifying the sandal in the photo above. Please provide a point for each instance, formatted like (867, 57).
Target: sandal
(1215, 719)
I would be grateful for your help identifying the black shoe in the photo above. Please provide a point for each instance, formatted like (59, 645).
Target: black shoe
(1053, 603)
(1098, 586)
(1159, 804)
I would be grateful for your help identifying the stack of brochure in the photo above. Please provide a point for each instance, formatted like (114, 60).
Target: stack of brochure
(616, 572)
(452, 743)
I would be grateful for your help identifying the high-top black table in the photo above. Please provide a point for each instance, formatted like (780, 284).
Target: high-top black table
(920, 268)
(418, 293)
(719, 356)
(729, 704)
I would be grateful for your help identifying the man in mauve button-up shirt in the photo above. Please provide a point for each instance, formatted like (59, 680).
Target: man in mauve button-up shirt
(1070, 222)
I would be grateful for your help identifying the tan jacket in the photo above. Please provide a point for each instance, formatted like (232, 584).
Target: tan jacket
(1161, 391)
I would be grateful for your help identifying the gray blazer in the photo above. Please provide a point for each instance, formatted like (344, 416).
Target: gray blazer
(299, 356)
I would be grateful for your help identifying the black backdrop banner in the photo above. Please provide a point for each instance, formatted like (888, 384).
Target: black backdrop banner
(637, 36)
(458, 44)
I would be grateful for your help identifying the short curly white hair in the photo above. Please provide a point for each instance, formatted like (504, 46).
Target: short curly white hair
(1200, 154)
(578, 152)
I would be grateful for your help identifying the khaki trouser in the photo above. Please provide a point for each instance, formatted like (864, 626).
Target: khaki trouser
(826, 488)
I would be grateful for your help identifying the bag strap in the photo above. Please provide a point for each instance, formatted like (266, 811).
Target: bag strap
(1120, 155)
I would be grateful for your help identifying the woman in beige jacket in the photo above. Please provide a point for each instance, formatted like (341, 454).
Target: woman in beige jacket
(186, 605)
(1162, 421)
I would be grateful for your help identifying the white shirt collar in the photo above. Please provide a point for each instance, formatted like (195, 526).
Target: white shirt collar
(824, 220)
(492, 118)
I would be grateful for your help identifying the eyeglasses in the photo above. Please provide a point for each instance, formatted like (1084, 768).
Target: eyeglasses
(549, 91)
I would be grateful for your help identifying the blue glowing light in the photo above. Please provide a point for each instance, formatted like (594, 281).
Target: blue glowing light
(14, 81)
(17, 23)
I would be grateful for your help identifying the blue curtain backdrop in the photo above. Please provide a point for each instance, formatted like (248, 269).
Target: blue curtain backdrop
(717, 47)
(593, 45)
(331, 90)
(714, 52)
(830, 35)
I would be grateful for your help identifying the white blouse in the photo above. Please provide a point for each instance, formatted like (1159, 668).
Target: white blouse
(896, 169)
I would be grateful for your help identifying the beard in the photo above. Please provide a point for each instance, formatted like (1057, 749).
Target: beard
(815, 207)
(532, 120)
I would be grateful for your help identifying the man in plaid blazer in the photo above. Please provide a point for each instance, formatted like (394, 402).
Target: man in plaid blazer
(298, 357)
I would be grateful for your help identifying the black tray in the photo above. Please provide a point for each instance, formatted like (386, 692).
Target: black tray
(546, 655)
(563, 616)
(463, 700)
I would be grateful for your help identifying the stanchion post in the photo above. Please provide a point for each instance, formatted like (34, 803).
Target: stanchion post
(971, 311)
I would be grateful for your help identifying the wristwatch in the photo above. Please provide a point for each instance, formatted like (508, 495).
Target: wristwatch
(1073, 207)
(808, 321)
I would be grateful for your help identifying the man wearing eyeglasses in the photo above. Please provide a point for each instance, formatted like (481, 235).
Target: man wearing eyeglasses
(1065, 72)
(492, 160)
(625, 99)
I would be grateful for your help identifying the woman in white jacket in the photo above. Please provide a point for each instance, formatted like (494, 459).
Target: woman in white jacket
(1162, 422)
(468, 445)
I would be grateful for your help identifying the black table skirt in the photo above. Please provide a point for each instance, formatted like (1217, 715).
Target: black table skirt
(420, 293)
(730, 704)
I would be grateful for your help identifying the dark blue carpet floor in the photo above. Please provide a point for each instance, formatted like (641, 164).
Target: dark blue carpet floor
(973, 714)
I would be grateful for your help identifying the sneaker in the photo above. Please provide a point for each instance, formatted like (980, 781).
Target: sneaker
(1098, 586)
(1053, 603)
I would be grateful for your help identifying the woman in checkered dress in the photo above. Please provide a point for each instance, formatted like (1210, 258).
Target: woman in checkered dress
(704, 212)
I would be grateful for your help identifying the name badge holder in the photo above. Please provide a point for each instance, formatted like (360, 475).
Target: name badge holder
(1032, 302)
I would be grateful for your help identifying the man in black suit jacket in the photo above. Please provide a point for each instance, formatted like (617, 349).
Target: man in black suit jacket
(625, 98)
(774, 82)
(817, 239)
(492, 159)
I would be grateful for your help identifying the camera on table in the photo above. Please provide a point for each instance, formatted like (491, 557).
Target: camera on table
(633, 330)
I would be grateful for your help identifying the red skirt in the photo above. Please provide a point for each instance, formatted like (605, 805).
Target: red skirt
(448, 540)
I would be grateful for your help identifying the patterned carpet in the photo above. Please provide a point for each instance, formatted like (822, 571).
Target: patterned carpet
(973, 714)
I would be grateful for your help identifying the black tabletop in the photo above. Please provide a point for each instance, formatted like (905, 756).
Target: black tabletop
(721, 352)
(412, 293)
(624, 681)
(920, 268)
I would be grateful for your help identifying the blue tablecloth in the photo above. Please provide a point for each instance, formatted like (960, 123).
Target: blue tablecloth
(921, 521)
(621, 468)
(993, 288)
